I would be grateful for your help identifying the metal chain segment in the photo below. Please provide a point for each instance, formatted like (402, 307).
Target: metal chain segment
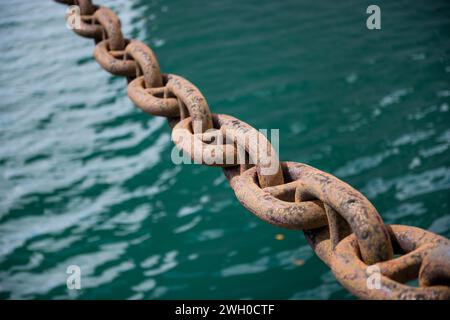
(155, 101)
(191, 102)
(435, 268)
(146, 63)
(198, 147)
(341, 225)
(86, 7)
(416, 243)
(277, 208)
(114, 64)
(254, 143)
(88, 28)
(340, 199)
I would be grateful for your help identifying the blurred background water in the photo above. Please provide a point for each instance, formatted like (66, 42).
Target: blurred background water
(86, 178)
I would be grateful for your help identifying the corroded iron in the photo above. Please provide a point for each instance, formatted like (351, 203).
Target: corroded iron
(191, 102)
(307, 183)
(89, 26)
(111, 28)
(86, 7)
(413, 243)
(89, 29)
(258, 148)
(155, 101)
(249, 140)
(275, 205)
(350, 204)
(198, 148)
(148, 91)
(340, 224)
(146, 63)
(177, 98)
(115, 64)
(435, 268)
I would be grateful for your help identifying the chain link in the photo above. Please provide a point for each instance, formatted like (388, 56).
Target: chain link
(340, 224)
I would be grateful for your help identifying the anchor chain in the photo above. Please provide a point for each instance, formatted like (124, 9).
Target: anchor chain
(341, 225)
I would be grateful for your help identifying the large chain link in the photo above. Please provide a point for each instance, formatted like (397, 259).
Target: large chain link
(340, 224)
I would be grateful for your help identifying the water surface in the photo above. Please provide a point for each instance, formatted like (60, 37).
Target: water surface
(87, 179)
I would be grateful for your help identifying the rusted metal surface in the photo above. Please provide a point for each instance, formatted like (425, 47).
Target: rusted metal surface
(307, 183)
(154, 101)
(111, 27)
(339, 223)
(191, 102)
(275, 205)
(146, 63)
(89, 29)
(338, 227)
(319, 239)
(413, 243)
(435, 268)
(259, 150)
(113, 41)
(358, 212)
(239, 133)
(86, 7)
(198, 147)
(114, 64)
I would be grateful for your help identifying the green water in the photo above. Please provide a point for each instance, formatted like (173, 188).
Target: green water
(87, 179)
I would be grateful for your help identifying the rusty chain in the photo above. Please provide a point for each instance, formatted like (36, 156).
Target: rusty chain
(341, 225)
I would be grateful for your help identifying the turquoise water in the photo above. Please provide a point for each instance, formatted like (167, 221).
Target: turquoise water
(87, 179)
